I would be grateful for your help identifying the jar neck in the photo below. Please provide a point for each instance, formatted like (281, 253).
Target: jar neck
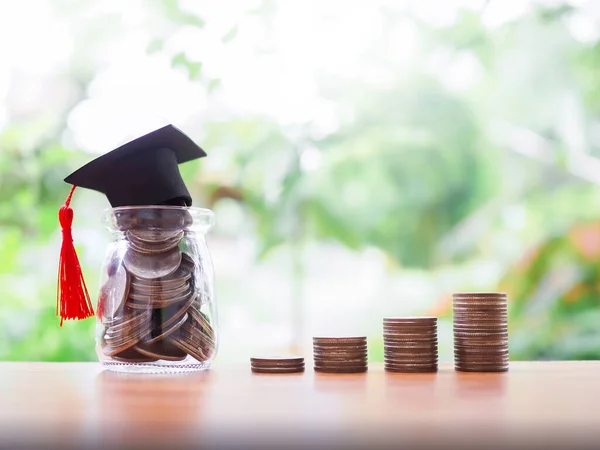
(159, 218)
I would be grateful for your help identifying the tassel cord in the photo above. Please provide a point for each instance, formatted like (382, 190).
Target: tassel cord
(72, 296)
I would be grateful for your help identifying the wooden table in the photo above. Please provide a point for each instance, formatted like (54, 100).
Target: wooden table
(65, 405)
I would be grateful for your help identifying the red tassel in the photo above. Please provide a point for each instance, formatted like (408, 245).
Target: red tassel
(72, 297)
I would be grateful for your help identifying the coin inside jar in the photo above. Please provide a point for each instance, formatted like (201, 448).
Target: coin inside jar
(163, 317)
(158, 302)
(152, 266)
(153, 249)
(113, 293)
(161, 350)
(167, 218)
(154, 236)
(171, 280)
(152, 294)
(202, 322)
(162, 332)
(197, 335)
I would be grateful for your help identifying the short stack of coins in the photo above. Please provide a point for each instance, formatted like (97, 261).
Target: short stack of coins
(340, 354)
(283, 364)
(150, 304)
(480, 332)
(410, 344)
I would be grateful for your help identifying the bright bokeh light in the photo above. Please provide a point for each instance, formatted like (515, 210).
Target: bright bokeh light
(135, 91)
(270, 71)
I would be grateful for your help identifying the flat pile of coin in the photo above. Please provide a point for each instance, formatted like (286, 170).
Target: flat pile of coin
(340, 354)
(143, 219)
(150, 304)
(480, 332)
(277, 364)
(410, 344)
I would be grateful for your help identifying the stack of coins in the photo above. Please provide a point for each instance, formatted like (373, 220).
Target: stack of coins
(480, 332)
(277, 364)
(410, 344)
(340, 354)
(150, 304)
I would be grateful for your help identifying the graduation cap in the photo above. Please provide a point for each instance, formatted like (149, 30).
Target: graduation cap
(141, 172)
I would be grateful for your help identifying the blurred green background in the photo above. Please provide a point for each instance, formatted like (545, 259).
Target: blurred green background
(366, 158)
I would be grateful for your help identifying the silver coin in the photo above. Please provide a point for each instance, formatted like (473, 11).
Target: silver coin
(478, 295)
(155, 303)
(130, 320)
(160, 283)
(417, 333)
(196, 334)
(154, 236)
(336, 366)
(277, 370)
(202, 322)
(416, 339)
(339, 362)
(357, 369)
(117, 338)
(475, 366)
(480, 350)
(172, 280)
(154, 249)
(152, 266)
(188, 260)
(402, 353)
(196, 339)
(161, 350)
(402, 369)
(479, 319)
(350, 340)
(164, 317)
(339, 355)
(423, 321)
(193, 350)
(154, 294)
(153, 217)
(277, 360)
(163, 332)
(113, 293)
(478, 306)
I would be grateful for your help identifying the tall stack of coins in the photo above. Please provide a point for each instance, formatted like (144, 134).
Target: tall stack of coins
(340, 354)
(480, 332)
(277, 364)
(150, 306)
(410, 344)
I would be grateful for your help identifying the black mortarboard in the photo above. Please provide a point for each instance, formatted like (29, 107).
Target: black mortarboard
(143, 171)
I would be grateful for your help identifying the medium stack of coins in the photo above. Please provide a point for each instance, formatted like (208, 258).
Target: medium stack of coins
(277, 364)
(340, 354)
(410, 344)
(480, 332)
(150, 304)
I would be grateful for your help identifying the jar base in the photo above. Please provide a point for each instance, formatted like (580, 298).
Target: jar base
(156, 367)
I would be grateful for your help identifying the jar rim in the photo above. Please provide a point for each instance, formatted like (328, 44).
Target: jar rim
(202, 219)
(195, 209)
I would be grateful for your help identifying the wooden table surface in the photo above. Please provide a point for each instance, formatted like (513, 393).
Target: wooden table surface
(66, 405)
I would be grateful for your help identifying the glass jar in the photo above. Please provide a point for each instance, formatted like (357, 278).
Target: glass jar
(156, 308)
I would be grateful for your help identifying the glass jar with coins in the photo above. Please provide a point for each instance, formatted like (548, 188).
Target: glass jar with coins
(156, 308)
